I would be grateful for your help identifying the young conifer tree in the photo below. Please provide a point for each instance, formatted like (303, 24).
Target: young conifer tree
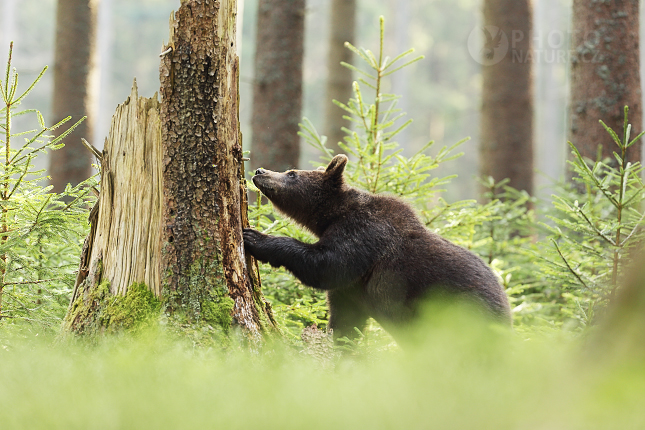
(39, 232)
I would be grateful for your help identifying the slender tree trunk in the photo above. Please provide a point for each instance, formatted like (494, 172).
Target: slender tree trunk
(339, 82)
(551, 17)
(277, 93)
(506, 148)
(605, 75)
(105, 32)
(8, 30)
(173, 201)
(73, 74)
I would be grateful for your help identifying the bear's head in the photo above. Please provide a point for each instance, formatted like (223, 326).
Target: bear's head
(307, 196)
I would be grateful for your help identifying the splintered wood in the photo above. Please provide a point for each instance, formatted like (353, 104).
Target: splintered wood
(126, 244)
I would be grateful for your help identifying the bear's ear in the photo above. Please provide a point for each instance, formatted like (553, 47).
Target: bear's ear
(336, 166)
(321, 168)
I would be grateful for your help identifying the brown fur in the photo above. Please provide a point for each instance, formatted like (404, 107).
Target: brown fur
(374, 257)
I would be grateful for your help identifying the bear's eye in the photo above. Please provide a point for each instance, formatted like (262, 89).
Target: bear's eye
(291, 174)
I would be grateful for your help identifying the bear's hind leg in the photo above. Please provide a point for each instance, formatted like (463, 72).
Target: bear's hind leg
(345, 314)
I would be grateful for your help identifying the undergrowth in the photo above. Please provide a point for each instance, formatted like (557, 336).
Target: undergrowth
(461, 375)
(40, 231)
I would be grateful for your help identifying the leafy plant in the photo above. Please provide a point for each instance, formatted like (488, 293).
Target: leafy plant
(40, 231)
(593, 231)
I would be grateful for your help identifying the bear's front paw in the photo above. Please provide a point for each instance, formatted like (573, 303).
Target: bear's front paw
(252, 241)
(252, 237)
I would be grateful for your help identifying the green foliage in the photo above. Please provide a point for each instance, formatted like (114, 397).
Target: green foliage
(503, 232)
(40, 231)
(597, 223)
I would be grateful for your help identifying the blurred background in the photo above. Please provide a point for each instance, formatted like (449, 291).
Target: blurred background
(442, 92)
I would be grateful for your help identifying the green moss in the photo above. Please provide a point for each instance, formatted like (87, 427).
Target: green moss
(200, 306)
(219, 312)
(99, 310)
(138, 305)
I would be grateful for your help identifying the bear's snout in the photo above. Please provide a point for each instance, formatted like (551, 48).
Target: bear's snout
(260, 171)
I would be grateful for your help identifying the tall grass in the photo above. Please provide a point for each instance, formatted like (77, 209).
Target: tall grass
(462, 374)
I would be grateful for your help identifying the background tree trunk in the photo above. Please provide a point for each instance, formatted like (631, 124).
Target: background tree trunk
(605, 75)
(73, 73)
(506, 147)
(105, 60)
(339, 82)
(173, 200)
(277, 93)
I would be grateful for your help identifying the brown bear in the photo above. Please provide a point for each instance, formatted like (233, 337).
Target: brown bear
(374, 257)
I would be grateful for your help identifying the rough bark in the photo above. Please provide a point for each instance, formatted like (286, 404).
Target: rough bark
(277, 93)
(203, 253)
(74, 60)
(605, 75)
(506, 147)
(339, 82)
(173, 201)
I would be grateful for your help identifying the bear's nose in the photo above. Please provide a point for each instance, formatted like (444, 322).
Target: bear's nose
(260, 171)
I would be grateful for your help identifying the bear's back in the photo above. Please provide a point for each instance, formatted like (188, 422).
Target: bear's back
(410, 261)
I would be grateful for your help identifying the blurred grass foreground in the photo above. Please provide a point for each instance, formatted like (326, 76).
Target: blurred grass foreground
(461, 374)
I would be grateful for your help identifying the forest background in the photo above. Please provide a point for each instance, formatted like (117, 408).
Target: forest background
(441, 93)
(462, 373)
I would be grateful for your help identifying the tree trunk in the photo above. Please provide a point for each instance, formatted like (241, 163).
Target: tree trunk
(277, 93)
(104, 54)
(204, 190)
(73, 73)
(506, 147)
(173, 201)
(339, 82)
(605, 75)
(8, 30)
